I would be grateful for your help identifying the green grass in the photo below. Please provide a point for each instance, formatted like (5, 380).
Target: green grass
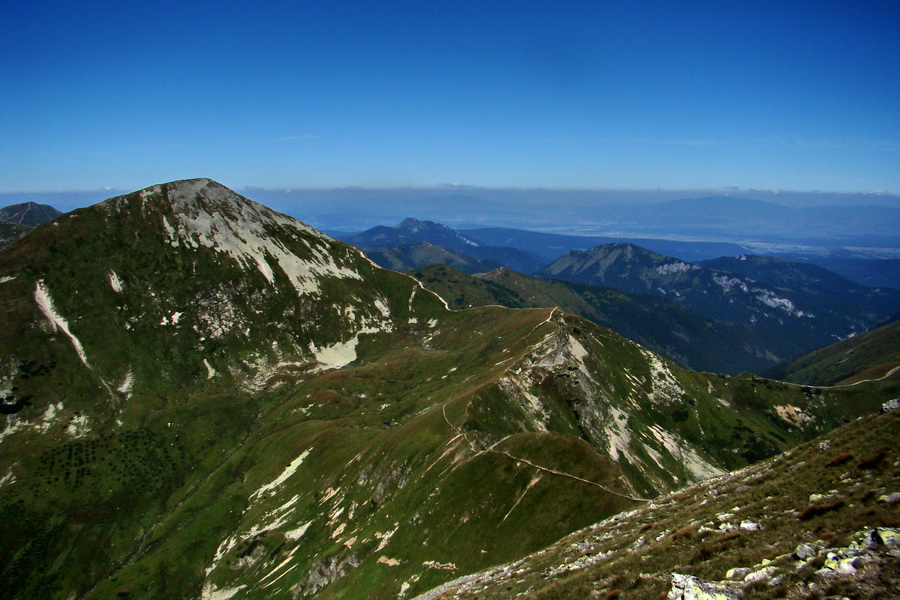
(774, 494)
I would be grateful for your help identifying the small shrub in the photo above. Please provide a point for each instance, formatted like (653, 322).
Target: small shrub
(839, 459)
(703, 553)
(826, 537)
(730, 536)
(816, 510)
(871, 462)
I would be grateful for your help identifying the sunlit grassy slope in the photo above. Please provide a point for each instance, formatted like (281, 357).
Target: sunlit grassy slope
(816, 499)
(870, 355)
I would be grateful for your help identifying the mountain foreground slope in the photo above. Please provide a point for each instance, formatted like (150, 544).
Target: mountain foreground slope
(819, 521)
(202, 397)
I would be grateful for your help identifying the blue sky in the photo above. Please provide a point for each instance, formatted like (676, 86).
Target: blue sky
(629, 95)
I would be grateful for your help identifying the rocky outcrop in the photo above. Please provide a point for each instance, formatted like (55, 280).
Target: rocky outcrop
(860, 568)
(686, 587)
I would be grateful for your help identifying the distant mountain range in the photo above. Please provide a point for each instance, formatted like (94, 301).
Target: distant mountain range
(876, 273)
(553, 246)
(853, 265)
(411, 231)
(709, 218)
(704, 318)
(724, 217)
(763, 309)
(883, 272)
(795, 307)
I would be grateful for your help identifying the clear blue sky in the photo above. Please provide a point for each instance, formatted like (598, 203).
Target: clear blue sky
(790, 95)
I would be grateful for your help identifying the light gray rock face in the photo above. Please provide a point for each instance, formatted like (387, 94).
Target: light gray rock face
(764, 574)
(890, 498)
(737, 573)
(687, 587)
(891, 405)
(867, 551)
(805, 552)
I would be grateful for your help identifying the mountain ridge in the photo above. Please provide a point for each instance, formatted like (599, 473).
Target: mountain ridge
(660, 324)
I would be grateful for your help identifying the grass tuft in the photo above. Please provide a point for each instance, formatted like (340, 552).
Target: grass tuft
(839, 459)
(815, 510)
(684, 533)
(872, 461)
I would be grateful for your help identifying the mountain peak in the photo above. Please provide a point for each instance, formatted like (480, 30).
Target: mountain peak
(414, 225)
(202, 199)
(626, 250)
(192, 194)
(202, 213)
(30, 214)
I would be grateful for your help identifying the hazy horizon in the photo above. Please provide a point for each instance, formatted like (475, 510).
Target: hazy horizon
(769, 221)
(67, 200)
(574, 95)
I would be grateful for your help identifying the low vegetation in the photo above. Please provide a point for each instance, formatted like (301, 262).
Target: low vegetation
(777, 529)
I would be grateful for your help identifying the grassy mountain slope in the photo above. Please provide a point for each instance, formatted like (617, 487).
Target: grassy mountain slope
(689, 338)
(785, 522)
(869, 355)
(407, 258)
(204, 398)
(9, 232)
